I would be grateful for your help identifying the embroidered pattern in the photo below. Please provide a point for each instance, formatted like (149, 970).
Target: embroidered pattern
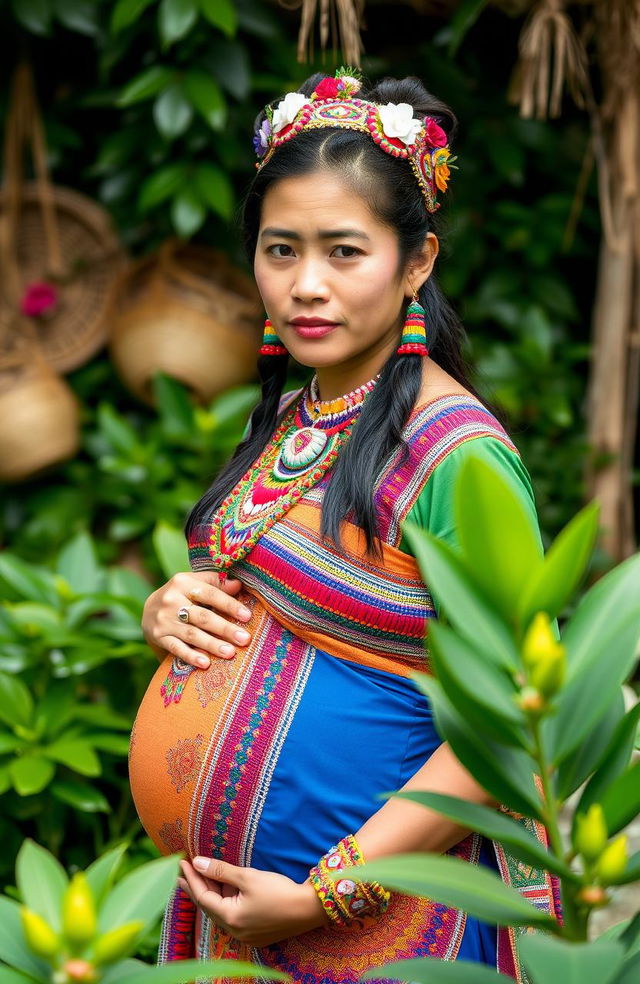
(184, 761)
(173, 836)
(214, 681)
(175, 681)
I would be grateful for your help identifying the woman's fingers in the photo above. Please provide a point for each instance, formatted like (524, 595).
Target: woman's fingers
(212, 595)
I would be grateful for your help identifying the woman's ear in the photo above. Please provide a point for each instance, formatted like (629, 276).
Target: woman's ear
(421, 265)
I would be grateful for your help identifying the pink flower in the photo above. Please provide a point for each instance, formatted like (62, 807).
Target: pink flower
(434, 134)
(39, 298)
(327, 89)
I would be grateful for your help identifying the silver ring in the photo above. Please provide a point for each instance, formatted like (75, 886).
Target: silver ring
(183, 613)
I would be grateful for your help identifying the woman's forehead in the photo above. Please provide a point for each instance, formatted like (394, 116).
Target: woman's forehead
(320, 202)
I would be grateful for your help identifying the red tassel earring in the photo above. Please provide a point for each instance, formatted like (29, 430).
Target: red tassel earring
(414, 333)
(271, 344)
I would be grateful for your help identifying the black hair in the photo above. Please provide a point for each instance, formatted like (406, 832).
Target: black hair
(391, 190)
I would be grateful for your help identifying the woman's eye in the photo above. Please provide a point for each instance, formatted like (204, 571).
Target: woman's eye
(281, 250)
(346, 252)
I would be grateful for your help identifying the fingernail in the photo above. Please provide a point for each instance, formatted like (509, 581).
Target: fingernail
(227, 650)
(244, 612)
(200, 864)
(241, 636)
(203, 661)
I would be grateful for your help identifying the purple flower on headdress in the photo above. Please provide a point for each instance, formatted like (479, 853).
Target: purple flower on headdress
(261, 138)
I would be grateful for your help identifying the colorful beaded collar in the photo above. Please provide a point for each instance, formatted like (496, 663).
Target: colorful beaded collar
(420, 141)
(302, 450)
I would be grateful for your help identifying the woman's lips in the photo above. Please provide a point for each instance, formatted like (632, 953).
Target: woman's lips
(312, 327)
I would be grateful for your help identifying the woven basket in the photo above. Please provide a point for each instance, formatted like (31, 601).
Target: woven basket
(187, 312)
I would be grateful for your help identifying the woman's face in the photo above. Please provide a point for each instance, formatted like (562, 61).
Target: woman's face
(329, 273)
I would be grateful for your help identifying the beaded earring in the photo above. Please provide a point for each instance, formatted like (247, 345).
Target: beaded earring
(271, 344)
(414, 333)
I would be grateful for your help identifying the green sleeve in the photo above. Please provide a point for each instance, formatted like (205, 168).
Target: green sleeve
(433, 510)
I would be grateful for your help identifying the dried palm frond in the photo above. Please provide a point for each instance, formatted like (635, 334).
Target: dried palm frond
(340, 22)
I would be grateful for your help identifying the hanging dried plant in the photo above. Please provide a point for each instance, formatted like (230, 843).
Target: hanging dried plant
(340, 22)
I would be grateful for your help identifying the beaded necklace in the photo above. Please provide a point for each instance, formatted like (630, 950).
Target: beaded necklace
(301, 451)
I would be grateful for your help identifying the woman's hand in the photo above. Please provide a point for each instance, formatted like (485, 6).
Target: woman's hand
(255, 907)
(214, 614)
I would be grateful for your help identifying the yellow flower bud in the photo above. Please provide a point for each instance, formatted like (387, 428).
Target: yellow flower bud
(117, 943)
(80, 970)
(613, 861)
(548, 674)
(532, 702)
(40, 937)
(592, 896)
(591, 833)
(79, 921)
(539, 642)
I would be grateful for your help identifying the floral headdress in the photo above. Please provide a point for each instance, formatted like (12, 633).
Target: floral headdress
(395, 129)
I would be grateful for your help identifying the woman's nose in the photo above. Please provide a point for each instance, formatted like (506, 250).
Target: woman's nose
(310, 282)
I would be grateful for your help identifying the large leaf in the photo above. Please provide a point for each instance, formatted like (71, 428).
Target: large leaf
(161, 184)
(456, 883)
(16, 703)
(615, 760)
(80, 795)
(547, 959)
(183, 971)
(630, 971)
(207, 97)
(31, 582)
(498, 538)
(13, 947)
(174, 406)
(187, 212)
(35, 15)
(76, 754)
(591, 753)
(30, 774)
(176, 18)
(126, 12)
(431, 970)
(463, 19)
(149, 83)
(8, 975)
(621, 801)
(171, 549)
(101, 873)
(495, 825)
(215, 189)
(482, 693)
(466, 608)
(41, 881)
(632, 871)
(172, 112)
(506, 773)
(555, 582)
(78, 565)
(142, 894)
(78, 15)
(222, 14)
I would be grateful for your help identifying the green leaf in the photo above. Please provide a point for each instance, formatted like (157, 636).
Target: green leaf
(35, 15)
(117, 431)
(27, 580)
(41, 881)
(632, 871)
(78, 564)
(141, 894)
(482, 693)
(101, 873)
(126, 12)
(495, 825)
(30, 774)
(171, 549)
(187, 213)
(115, 744)
(172, 112)
(456, 883)
(621, 801)
(206, 95)
(222, 14)
(432, 970)
(174, 406)
(465, 607)
(34, 619)
(76, 754)
(176, 18)
(77, 15)
(556, 581)
(465, 16)
(160, 185)
(630, 971)
(13, 947)
(497, 536)
(80, 795)
(615, 761)
(506, 773)
(149, 83)
(215, 189)
(548, 959)
(183, 971)
(101, 716)
(576, 768)
(16, 703)
(10, 976)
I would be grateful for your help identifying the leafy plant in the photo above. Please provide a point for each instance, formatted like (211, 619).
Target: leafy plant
(86, 928)
(515, 703)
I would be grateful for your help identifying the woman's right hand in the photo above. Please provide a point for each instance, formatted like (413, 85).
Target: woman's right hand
(212, 629)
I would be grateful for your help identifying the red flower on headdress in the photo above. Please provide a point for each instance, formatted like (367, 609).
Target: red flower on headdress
(327, 89)
(434, 134)
(39, 298)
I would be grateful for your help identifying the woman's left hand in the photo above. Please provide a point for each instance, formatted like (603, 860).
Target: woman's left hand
(255, 907)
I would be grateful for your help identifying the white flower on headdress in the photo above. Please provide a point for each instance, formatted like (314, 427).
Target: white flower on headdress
(398, 122)
(287, 110)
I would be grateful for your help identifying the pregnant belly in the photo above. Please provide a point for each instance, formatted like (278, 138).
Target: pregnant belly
(270, 758)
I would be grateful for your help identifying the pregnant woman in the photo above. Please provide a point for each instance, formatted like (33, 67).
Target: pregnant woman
(283, 706)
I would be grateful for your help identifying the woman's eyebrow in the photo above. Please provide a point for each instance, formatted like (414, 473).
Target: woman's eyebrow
(323, 234)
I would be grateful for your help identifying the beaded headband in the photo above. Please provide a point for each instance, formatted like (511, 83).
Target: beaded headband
(393, 127)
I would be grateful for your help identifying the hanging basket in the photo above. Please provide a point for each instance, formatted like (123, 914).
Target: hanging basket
(92, 258)
(185, 311)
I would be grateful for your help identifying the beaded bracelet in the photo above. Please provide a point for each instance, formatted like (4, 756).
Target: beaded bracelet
(345, 900)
